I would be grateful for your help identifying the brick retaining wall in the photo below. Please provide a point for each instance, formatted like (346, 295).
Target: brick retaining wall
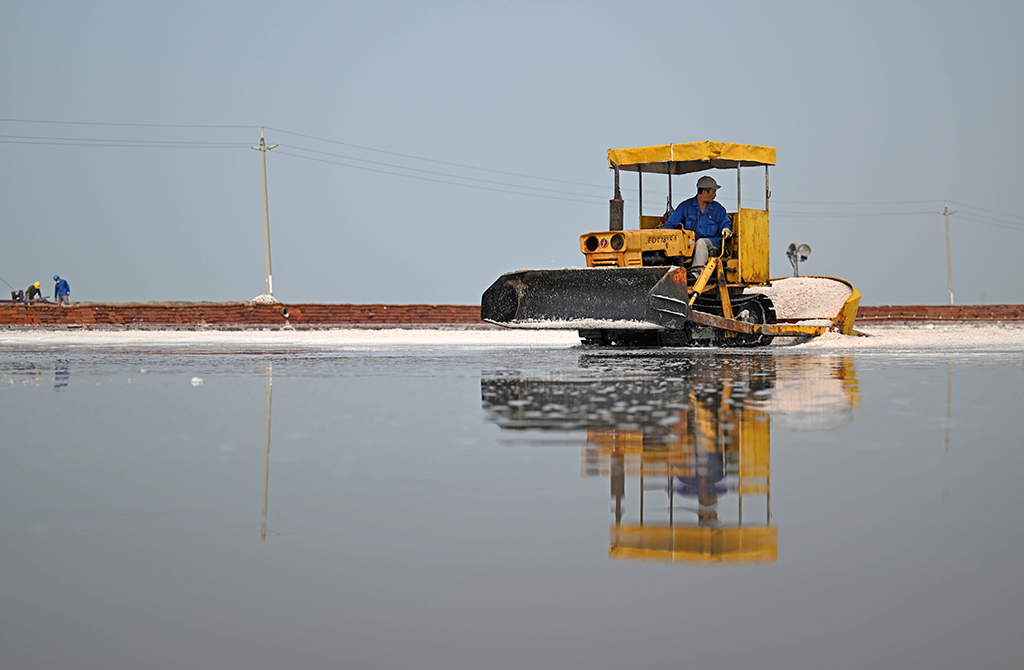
(939, 313)
(237, 315)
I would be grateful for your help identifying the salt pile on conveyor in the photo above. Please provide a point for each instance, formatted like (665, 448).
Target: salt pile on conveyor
(806, 298)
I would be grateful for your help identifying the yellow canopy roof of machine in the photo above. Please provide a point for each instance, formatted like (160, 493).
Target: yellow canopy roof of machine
(690, 157)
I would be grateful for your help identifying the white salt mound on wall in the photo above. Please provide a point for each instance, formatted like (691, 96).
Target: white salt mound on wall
(802, 298)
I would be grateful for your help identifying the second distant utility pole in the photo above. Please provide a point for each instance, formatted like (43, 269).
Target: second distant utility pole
(949, 255)
(263, 149)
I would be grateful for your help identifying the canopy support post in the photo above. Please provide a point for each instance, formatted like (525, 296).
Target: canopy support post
(738, 189)
(640, 203)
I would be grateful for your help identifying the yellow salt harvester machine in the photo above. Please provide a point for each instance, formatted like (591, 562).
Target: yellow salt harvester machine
(635, 290)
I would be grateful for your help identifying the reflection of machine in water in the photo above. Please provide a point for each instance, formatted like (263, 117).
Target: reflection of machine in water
(684, 442)
(691, 490)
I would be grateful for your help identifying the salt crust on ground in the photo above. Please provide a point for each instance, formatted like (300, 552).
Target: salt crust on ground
(937, 337)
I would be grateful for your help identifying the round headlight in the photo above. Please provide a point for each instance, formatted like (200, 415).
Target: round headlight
(618, 241)
(591, 243)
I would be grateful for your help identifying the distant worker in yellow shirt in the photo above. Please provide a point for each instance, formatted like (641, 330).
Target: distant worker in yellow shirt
(33, 293)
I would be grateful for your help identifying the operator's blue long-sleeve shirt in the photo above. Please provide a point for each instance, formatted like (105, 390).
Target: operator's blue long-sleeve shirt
(709, 223)
(62, 288)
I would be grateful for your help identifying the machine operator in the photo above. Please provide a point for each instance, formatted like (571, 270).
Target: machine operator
(706, 218)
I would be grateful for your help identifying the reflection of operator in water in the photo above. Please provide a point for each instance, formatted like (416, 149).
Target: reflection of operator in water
(706, 482)
(61, 375)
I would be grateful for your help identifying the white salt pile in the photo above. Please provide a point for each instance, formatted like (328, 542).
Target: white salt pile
(933, 338)
(341, 338)
(802, 298)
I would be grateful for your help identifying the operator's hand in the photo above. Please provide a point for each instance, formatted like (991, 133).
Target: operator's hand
(726, 234)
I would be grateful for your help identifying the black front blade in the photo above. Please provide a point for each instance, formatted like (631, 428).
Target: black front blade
(598, 297)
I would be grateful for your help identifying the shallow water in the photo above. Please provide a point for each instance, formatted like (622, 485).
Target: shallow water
(417, 505)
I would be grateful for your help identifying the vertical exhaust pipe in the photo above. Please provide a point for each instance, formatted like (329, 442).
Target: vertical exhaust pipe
(616, 207)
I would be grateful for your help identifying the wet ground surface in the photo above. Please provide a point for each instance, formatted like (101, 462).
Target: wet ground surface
(423, 503)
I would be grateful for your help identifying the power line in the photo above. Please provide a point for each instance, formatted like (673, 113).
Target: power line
(436, 181)
(69, 141)
(990, 211)
(899, 202)
(127, 125)
(433, 160)
(94, 142)
(844, 215)
(1010, 224)
(966, 217)
(107, 142)
(442, 174)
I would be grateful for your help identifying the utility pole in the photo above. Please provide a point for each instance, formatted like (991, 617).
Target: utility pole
(949, 255)
(263, 149)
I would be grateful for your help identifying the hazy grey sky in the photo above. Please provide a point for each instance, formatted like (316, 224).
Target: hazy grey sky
(425, 148)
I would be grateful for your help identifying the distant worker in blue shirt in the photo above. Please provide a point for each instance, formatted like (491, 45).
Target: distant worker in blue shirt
(706, 218)
(61, 292)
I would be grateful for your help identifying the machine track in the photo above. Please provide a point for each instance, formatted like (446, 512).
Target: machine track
(757, 309)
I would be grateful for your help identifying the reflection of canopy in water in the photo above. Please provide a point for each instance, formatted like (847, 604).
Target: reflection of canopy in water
(695, 544)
